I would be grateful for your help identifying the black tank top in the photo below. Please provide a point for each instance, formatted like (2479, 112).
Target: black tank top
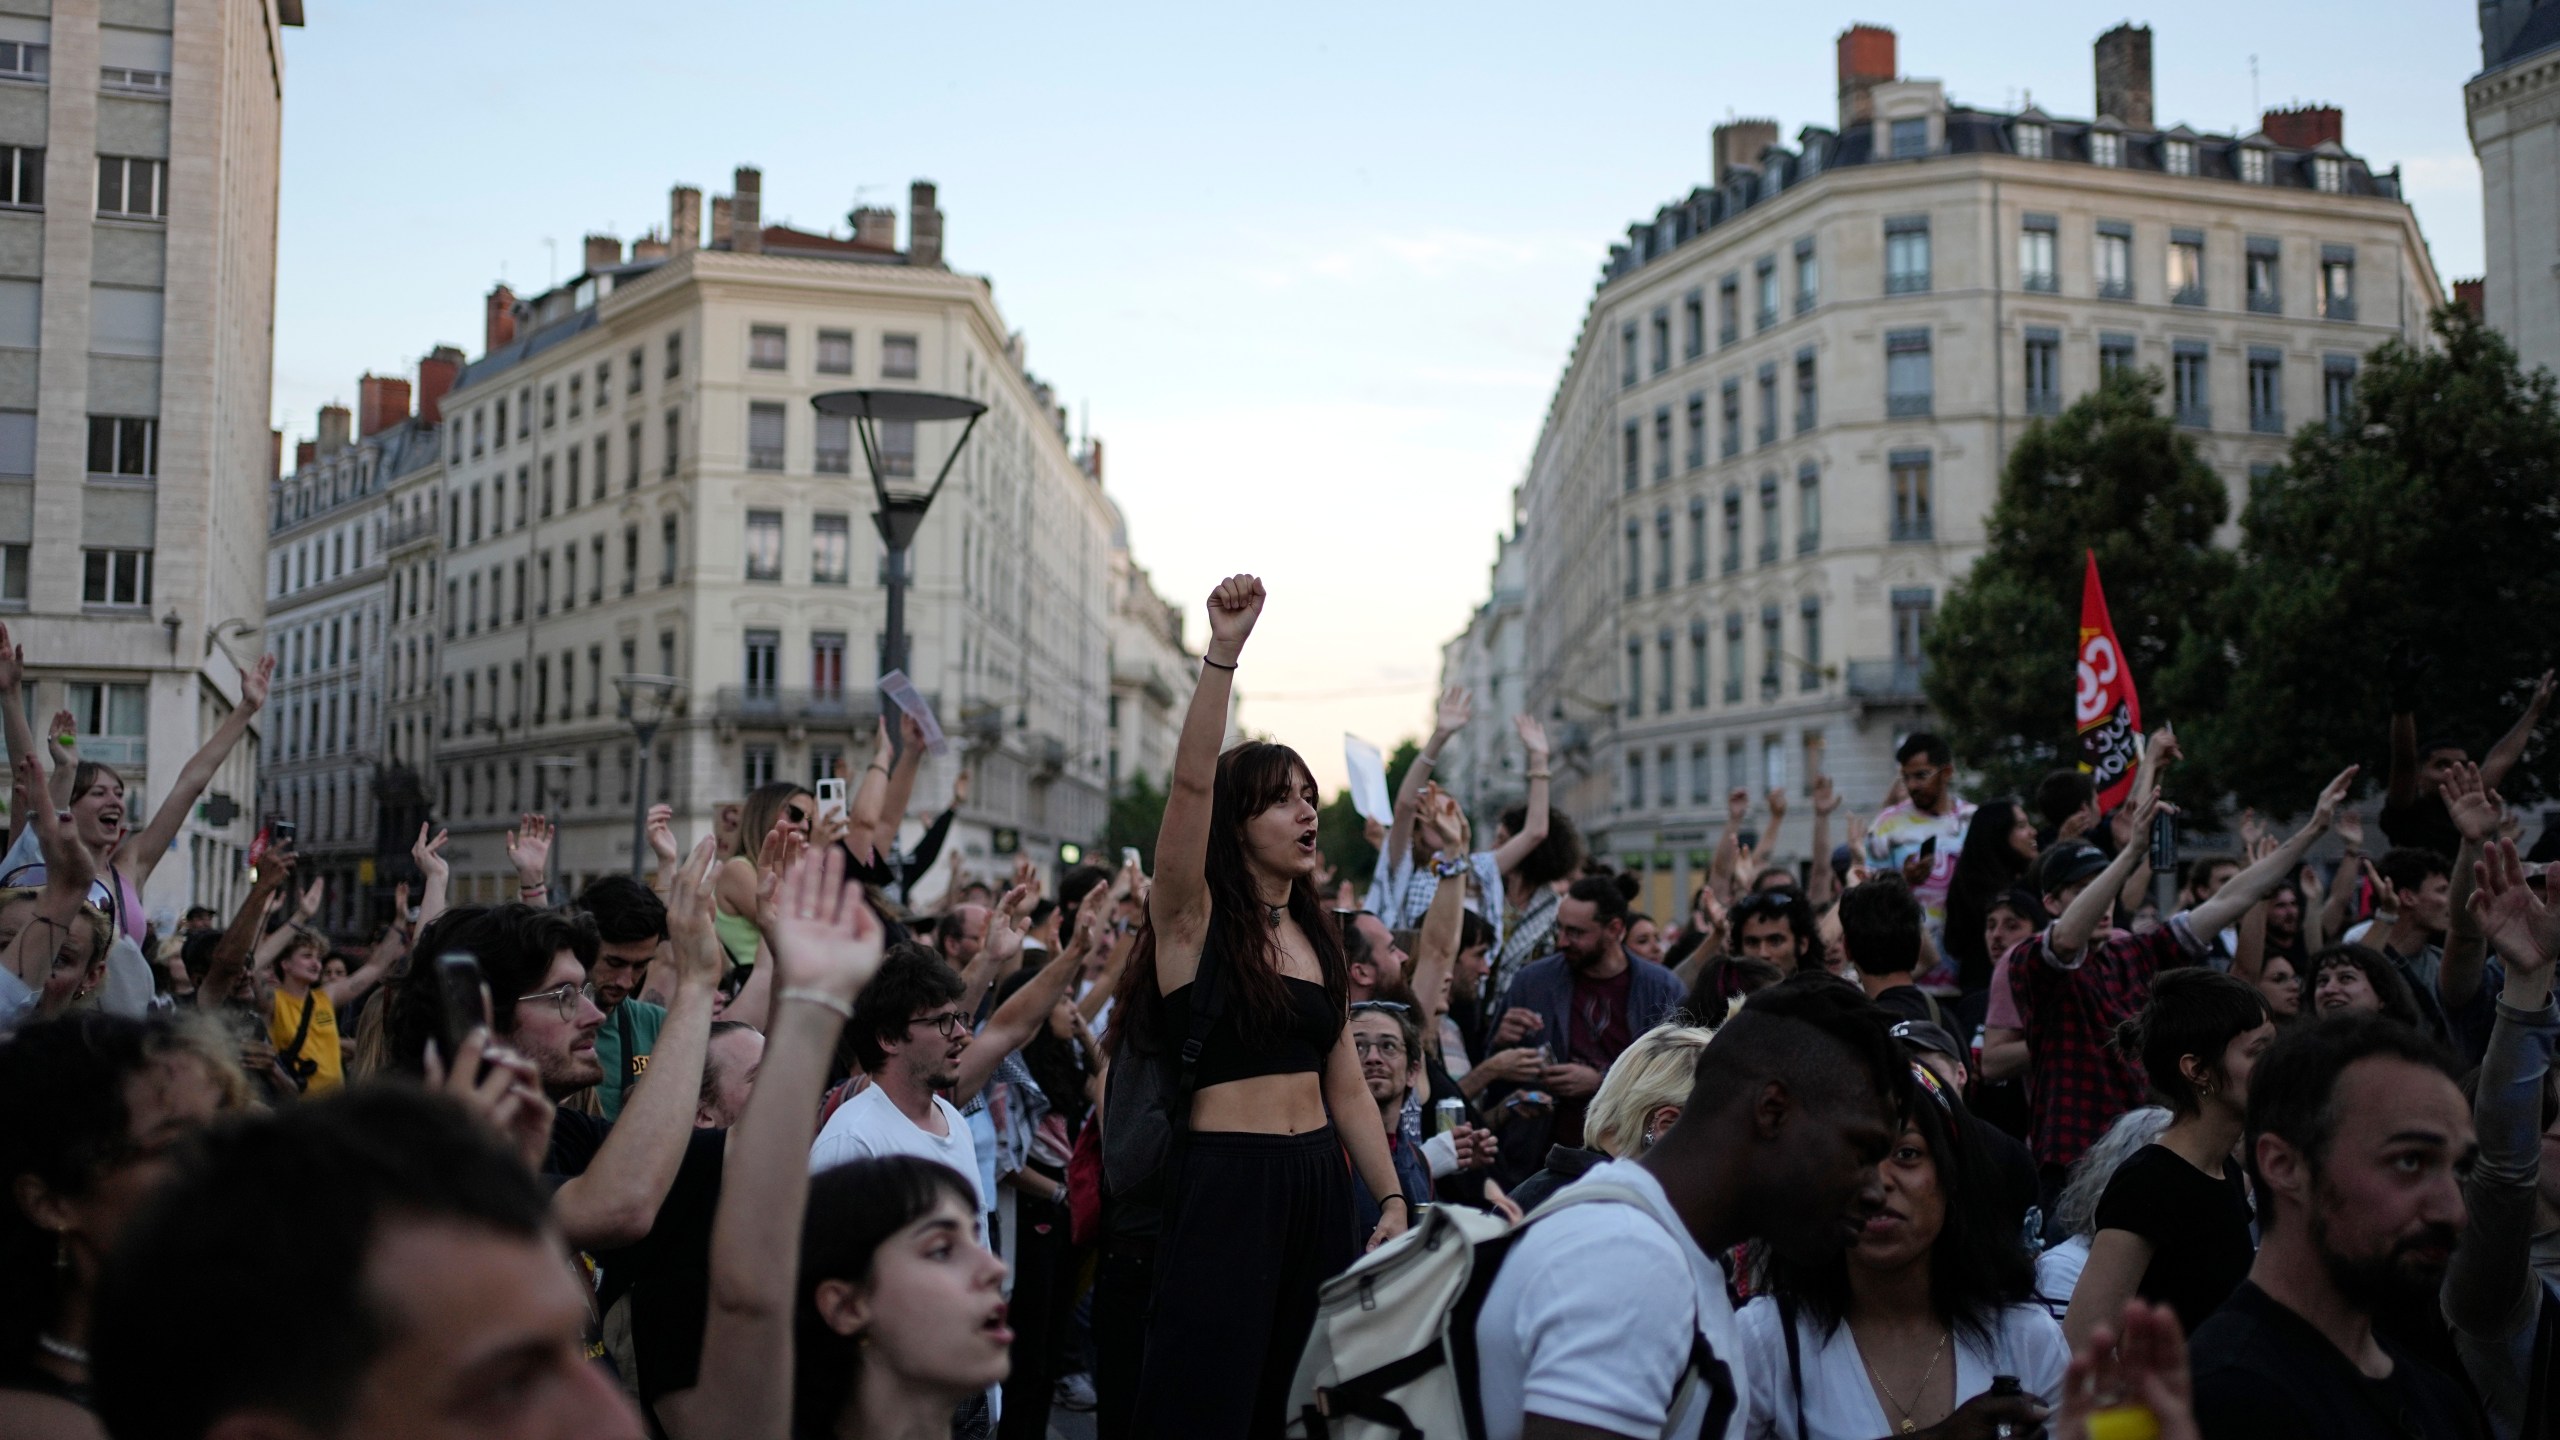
(1315, 1022)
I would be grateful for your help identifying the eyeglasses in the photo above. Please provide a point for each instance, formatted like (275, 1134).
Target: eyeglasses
(948, 1024)
(1392, 1007)
(1376, 1045)
(563, 998)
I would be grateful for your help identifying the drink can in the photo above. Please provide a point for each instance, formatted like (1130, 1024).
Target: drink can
(1448, 1115)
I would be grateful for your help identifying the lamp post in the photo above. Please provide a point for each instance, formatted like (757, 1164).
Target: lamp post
(646, 702)
(901, 512)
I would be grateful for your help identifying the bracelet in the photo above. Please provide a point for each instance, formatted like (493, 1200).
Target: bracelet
(1542, 775)
(1449, 869)
(523, 890)
(875, 765)
(1399, 1199)
(1214, 665)
(819, 998)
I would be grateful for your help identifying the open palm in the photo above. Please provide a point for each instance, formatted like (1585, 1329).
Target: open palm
(823, 935)
(2524, 929)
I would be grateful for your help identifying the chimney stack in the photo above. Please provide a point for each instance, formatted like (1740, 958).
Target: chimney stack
(499, 328)
(275, 452)
(382, 401)
(2304, 127)
(334, 421)
(924, 225)
(2124, 75)
(875, 227)
(684, 219)
(2472, 295)
(436, 375)
(604, 252)
(746, 214)
(1866, 61)
(305, 454)
(1740, 142)
(648, 247)
(720, 237)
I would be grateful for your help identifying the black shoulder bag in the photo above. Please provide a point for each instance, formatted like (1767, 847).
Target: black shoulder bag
(290, 1057)
(1146, 1103)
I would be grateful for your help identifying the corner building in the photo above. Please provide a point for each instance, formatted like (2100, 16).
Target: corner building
(635, 482)
(1781, 429)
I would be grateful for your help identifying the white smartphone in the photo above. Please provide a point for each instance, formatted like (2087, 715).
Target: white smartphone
(831, 798)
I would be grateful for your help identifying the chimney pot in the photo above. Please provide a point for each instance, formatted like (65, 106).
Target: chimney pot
(924, 225)
(720, 236)
(684, 219)
(305, 454)
(875, 227)
(2123, 57)
(1866, 57)
(499, 323)
(2305, 126)
(1741, 142)
(604, 252)
(334, 421)
(746, 213)
(647, 248)
(382, 401)
(436, 375)
(2472, 295)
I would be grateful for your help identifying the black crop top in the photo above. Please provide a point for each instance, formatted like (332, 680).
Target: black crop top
(1315, 1022)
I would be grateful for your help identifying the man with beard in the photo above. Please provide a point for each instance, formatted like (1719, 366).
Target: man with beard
(1588, 1002)
(631, 924)
(1601, 1311)
(2361, 1140)
(909, 1032)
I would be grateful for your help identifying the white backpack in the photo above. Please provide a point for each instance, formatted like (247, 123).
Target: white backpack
(1393, 1353)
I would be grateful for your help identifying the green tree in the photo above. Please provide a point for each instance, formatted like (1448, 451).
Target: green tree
(1137, 813)
(2406, 559)
(2110, 474)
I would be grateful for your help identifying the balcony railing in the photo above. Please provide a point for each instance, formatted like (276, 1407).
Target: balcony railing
(411, 531)
(776, 705)
(117, 750)
(1895, 680)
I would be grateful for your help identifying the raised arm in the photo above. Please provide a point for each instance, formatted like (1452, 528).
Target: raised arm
(616, 1200)
(1457, 707)
(62, 743)
(231, 954)
(1178, 906)
(1001, 947)
(2502, 757)
(2476, 812)
(2490, 1291)
(901, 787)
(1728, 856)
(529, 851)
(2252, 884)
(437, 875)
(1435, 949)
(1533, 828)
(69, 869)
(2337, 912)
(1822, 885)
(13, 706)
(138, 856)
(387, 952)
(827, 945)
(2096, 903)
(1026, 1010)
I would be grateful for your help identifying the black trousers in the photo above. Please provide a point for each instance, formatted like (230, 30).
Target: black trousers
(1044, 1292)
(1123, 1285)
(1254, 1225)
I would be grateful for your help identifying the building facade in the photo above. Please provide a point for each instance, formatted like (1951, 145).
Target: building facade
(139, 143)
(2514, 110)
(635, 482)
(1483, 765)
(1152, 670)
(331, 600)
(1782, 425)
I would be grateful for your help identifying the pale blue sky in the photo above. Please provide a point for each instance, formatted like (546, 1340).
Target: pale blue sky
(1312, 272)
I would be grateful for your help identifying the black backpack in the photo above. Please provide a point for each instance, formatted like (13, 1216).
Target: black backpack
(1146, 1103)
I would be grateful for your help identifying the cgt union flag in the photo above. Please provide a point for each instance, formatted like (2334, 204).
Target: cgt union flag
(2108, 710)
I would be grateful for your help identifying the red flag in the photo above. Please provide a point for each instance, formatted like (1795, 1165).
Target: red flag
(2109, 712)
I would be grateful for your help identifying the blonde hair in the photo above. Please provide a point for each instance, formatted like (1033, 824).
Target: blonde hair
(101, 930)
(1657, 1070)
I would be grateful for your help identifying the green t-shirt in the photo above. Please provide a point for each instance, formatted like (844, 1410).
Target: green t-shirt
(637, 1021)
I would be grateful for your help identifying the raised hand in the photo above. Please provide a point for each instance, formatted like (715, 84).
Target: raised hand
(13, 663)
(1737, 805)
(308, 904)
(1533, 736)
(68, 862)
(1777, 805)
(1457, 707)
(823, 936)
(2519, 924)
(501, 1089)
(695, 941)
(1444, 823)
(1026, 875)
(2162, 749)
(2350, 825)
(529, 850)
(254, 684)
(959, 789)
(62, 739)
(782, 849)
(1233, 608)
(2147, 1367)
(1825, 800)
(2326, 810)
(2475, 807)
(662, 835)
(2252, 830)
(2541, 700)
(430, 855)
(1008, 923)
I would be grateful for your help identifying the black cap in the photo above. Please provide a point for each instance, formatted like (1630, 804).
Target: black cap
(2069, 863)
(1929, 1037)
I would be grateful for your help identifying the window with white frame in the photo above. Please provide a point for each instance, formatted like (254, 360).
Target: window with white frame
(764, 545)
(898, 357)
(835, 352)
(126, 445)
(831, 550)
(2253, 165)
(768, 347)
(22, 177)
(2178, 157)
(25, 60)
(2106, 147)
(2030, 139)
(764, 435)
(2036, 267)
(2328, 174)
(115, 577)
(133, 188)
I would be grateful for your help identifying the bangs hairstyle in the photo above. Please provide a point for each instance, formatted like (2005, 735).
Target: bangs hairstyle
(2399, 1002)
(1251, 779)
(854, 1209)
(2191, 1012)
(1977, 1268)
(86, 774)
(756, 818)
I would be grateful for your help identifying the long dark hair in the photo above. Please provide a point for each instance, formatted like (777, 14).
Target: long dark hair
(1977, 1267)
(1252, 778)
(2399, 1002)
(853, 1210)
(2195, 1012)
(1986, 868)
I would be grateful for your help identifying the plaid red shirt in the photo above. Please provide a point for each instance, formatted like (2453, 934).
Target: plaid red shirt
(2076, 1082)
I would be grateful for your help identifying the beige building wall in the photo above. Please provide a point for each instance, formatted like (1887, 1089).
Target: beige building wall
(2514, 110)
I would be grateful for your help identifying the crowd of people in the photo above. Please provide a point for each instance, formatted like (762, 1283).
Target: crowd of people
(1947, 1130)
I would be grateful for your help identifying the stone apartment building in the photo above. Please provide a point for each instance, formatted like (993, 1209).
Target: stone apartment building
(1483, 766)
(138, 173)
(2514, 109)
(634, 482)
(1781, 427)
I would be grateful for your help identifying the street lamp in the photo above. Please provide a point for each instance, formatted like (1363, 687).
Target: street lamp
(901, 512)
(546, 770)
(646, 701)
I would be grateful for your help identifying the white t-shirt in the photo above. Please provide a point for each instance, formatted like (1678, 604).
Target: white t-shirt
(2058, 1273)
(1840, 1401)
(1591, 1318)
(871, 1125)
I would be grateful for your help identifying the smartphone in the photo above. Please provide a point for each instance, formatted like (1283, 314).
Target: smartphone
(2164, 843)
(282, 832)
(1748, 839)
(465, 999)
(1129, 856)
(831, 798)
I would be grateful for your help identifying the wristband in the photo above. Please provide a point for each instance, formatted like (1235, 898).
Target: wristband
(1449, 869)
(819, 998)
(1214, 665)
(1542, 775)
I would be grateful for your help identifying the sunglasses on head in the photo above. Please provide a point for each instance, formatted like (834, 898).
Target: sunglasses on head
(1391, 1007)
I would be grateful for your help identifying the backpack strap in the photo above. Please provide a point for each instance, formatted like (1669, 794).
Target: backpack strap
(1701, 1365)
(1795, 1358)
(1208, 1001)
(1937, 1017)
(300, 1069)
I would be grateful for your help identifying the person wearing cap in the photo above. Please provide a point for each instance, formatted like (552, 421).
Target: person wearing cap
(2014, 1170)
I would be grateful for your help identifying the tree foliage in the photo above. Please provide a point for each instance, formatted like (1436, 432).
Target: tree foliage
(2110, 474)
(1137, 813)
(2405, 560)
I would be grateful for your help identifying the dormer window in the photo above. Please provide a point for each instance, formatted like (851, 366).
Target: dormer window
(1910, 138)
(2178, 157)
(2106, 147)
(2031, 140)
(2252, 165)
(2328, 174)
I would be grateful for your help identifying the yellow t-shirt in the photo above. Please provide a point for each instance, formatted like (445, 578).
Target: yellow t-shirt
(319, 1048)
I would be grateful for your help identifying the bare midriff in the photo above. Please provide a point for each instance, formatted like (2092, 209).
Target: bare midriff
(1262, 1105)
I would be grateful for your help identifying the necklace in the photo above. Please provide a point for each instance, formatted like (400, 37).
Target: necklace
(1908, 1424)
(62, 1350)
(1276, 912)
